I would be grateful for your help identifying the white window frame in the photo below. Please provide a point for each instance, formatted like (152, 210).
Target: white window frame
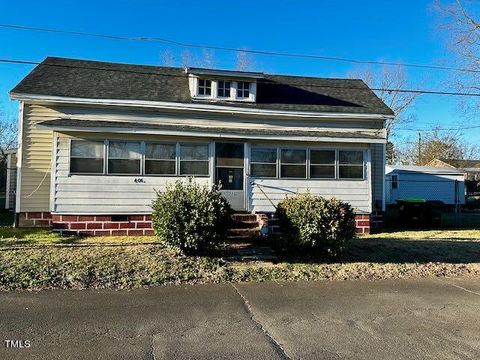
(308, 162)
(364, 172)
(293, 164)
(243, 90)
(198, 86)
(194, 83)
(274, 148)
(334, 165)
(175, 160)
(179, 144)
(142, 157)
(70, 140)
(230, 88)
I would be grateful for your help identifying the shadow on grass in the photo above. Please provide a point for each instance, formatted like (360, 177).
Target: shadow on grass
(390, 250)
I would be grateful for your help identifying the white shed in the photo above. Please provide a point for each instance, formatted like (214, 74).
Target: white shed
(424, 182)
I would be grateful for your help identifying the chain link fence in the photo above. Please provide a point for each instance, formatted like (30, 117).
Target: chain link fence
(431, 202)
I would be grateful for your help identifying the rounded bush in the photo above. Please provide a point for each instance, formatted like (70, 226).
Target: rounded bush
(190, 216)
(309, 222)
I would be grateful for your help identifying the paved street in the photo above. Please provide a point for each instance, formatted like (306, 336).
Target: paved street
(416, 319)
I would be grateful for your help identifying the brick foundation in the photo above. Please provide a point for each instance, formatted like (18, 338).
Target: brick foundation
(97, 225)
(362, 223)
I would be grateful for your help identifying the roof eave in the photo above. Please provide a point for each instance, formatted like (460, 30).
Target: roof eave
(48, 99)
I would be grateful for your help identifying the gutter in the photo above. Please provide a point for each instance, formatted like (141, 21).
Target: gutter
(230, 110)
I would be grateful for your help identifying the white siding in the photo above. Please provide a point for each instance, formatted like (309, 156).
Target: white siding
(355, 192)
(103, 194)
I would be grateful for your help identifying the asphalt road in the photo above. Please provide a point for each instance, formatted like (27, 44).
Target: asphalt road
(413, 319)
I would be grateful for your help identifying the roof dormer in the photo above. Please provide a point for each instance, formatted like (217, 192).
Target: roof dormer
(223, 85)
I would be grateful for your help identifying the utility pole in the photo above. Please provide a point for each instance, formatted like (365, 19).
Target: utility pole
(419, 148)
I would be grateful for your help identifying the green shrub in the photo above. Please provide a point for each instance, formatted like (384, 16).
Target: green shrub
(190, 216)
(309, 222)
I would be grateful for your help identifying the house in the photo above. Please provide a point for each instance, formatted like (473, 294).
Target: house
(11, 179)
(471, 168)
(96, 139)
(424, 182)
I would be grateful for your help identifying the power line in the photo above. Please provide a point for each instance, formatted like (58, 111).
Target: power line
(231, 49)
(145, 72)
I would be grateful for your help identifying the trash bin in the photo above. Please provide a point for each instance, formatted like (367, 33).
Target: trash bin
(433, 213)
(412, 212)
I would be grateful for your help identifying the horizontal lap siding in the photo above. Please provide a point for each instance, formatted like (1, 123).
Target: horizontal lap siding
(103, 194)
(354, 192)
(36, 159)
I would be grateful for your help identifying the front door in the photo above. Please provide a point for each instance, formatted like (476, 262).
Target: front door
(229, 169)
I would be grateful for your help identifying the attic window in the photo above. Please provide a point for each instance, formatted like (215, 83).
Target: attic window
(224, 89)
(204, 87)
(243, 89)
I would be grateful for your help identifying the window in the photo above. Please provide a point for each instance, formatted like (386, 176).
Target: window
(204, 87)
(394, 181)
(223, 89)
(293, 163)
(86, 157)
(350, 164)
(322, 164)
(124, 157)
(160, 159)
(263, 162)
(194, 159)
(243, 89)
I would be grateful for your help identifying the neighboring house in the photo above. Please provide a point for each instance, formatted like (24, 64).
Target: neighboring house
(96, 139)
(471, 168)
(424, 182)
(11, 179)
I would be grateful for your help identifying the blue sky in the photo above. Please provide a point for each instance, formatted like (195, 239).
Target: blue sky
(403, 31)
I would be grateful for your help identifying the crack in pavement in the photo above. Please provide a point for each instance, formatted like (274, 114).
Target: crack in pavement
(277, 346)
(460, 287)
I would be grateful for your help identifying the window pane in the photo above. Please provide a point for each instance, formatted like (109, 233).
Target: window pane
(322, 157)
(123, 150)
(293, 171)
(322, 172)
(124, 166)
(264, 155)
(351, 157)
(194, 168)
(351, 172)
(193, 152)
(294, 156)
(208, 91)
(263, 170)
(86, 166)
(160, 167)
(160, 151)
(87, 149)
(229, 154)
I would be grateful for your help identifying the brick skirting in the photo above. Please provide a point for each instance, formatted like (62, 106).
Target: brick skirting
(362, 223)
(98, 225)
(106, 225)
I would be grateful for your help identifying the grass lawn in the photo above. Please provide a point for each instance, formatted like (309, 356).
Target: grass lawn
(38, 259)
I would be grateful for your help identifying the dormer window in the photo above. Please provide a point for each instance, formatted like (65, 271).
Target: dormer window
(243, 90)
(204, 87)
(223, 90)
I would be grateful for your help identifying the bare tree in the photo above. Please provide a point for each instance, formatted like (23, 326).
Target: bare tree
(8, 135)
(437, 144)
(245, 61)
(167, 57)
(460, 21)
(387, 80)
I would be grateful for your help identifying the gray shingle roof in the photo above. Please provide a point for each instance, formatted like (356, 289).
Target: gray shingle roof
(79, 124)
(103, 80)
